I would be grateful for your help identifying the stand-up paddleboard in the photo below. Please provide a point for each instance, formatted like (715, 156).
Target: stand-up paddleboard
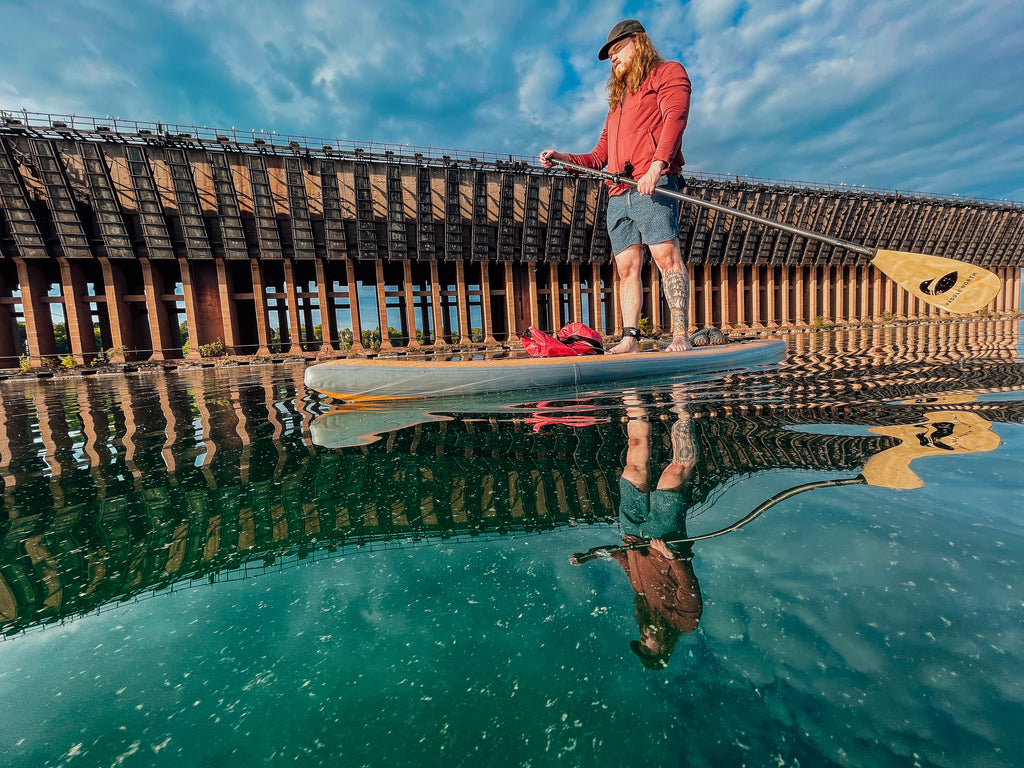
(356, 380)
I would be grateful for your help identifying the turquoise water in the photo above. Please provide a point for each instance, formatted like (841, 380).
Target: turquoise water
(207, 568)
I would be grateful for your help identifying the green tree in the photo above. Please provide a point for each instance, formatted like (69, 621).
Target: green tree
(60, 337)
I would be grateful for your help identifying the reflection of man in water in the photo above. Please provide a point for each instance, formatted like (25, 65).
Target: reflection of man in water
(668, 600)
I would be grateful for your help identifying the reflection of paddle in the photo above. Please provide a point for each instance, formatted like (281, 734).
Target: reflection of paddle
(950, 284)
(941, 433)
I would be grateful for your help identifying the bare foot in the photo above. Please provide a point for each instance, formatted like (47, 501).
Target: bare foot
(679, 343)
(627, 346)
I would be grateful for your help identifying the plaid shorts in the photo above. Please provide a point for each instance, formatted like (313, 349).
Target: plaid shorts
(635, 219)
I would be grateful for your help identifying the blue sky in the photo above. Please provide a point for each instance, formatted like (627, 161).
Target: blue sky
(910, 95)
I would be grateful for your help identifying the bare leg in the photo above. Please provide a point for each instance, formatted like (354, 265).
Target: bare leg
(676, 284)
(628, 264)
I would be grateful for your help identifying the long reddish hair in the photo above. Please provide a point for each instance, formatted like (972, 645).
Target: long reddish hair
(644, 60)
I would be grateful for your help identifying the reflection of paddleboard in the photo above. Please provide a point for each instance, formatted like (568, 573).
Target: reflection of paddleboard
(358, 380)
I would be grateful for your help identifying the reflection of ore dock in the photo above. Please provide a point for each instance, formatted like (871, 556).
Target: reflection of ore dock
(132, 231)
(158, 506)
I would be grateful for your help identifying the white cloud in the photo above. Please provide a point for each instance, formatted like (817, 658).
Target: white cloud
(888, 94)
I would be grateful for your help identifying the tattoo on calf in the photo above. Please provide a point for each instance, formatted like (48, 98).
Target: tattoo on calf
(677, 292)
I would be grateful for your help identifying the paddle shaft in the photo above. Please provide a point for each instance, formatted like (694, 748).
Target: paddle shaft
(580, 558)
(799, 231)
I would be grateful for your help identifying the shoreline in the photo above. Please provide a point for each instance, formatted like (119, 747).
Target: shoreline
(57, 372)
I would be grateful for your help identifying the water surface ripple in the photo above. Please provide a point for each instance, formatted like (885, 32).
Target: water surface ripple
(815, 563)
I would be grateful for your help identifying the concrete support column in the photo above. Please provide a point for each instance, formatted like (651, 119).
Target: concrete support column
(755, 298)
(865, 293)
(772, 308)
(382, 307)
(35, 287)
(76, 311)
(784, 293)
(485, 305)
(554, 297)
(887, 303)
(708, 294)
(203, 310)
(1011, 288)
(463, 301)
(577, 295)
(292, 297)
(435, 297)
(801, 315)
(876, 293)
(741, 323)
(328, 318)
(226, 288)
(122, 331)
(656, 299)
(510, 306)
(813, 310)
(10, 339)
(259, 294)
(410, 304)
(724, 287)
(596, 296)
(834, 285)
(353, 306)
(887, 293)
(163, 333)
(919, 308)
(191, 316)
(532, 293)
(851, 297)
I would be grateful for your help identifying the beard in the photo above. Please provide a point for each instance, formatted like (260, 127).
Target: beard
(621, 75)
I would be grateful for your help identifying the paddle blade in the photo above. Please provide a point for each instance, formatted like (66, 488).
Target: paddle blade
(950, 284)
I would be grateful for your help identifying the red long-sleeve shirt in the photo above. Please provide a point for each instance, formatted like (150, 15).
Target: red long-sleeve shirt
(646, 126)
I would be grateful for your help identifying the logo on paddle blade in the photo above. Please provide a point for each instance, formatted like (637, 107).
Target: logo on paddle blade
(941, 285)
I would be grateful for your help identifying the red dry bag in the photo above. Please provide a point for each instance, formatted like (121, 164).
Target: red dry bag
(574, 339)
(540, 344)
(584, 339)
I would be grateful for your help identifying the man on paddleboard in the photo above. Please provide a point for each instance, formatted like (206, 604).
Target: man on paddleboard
(648, 104)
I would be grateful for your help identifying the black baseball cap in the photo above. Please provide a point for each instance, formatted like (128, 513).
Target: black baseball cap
(626, 28)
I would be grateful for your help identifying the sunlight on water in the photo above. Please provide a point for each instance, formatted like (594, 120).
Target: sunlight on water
(812, 564)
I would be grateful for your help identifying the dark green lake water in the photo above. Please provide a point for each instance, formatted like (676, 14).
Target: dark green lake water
(216, 568)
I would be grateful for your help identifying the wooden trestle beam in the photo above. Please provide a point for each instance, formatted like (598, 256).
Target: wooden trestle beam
(138, 242)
